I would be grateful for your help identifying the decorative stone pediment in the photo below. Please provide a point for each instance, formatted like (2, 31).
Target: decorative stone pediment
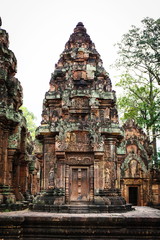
(129, 160)
(74, 141)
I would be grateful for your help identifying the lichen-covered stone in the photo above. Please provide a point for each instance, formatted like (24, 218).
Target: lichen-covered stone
(80, 129)
(15, 147)
(137, 179)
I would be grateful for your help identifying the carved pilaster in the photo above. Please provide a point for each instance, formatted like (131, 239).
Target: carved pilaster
(11, 153)
(48, 159)
(96, 175)
(91, 180)
(4, 170)
(67, 184)
(110, 163)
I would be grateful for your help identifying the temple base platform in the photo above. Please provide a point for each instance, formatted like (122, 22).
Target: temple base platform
(143, 223)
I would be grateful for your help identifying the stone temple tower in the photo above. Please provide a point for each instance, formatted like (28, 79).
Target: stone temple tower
(15, 146)
(79, 133)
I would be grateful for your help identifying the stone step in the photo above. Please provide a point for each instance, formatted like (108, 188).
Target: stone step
(79, 209)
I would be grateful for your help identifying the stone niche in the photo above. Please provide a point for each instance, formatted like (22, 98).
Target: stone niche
(79, 134)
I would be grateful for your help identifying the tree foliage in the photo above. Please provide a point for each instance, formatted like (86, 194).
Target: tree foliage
(30, 120)
(139, 50)
(140, 101)
(139, 58)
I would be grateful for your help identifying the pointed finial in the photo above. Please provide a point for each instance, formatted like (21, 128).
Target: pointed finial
(80, 27)
(80, 24)
(0, 22)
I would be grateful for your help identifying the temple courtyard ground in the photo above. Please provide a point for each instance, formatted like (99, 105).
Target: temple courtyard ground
(141, 223)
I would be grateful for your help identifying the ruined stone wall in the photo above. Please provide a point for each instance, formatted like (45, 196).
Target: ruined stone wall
(15, 147)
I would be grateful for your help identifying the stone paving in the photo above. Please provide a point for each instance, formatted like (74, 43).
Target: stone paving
(139, 212)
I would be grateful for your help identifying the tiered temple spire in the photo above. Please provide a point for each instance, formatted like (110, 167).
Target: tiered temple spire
(80, 129)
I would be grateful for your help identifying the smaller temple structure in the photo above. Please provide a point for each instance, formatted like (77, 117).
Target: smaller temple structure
(138, 180)
(15, 145)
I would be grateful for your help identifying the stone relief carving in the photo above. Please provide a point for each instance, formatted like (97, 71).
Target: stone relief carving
(130, 166)
(51, 183)
(14, 140)
(71, 141)
(107, 179)
(97, 140)
(133, 166)
(80, 102)
(79, 160)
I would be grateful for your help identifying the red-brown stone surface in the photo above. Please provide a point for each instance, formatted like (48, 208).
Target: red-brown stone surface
(79, 129)
(14, 142)
(138, 179)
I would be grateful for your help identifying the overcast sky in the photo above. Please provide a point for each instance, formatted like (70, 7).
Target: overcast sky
(39, 29)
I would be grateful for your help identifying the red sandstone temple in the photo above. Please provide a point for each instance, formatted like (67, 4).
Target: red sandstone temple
(84, 156)
(84, 159)
(15, 146)
(80, 130)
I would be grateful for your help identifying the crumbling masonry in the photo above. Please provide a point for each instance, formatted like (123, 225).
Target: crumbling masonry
(15, 148)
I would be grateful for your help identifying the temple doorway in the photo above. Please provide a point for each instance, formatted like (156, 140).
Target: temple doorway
(79, 184)
(133, 195)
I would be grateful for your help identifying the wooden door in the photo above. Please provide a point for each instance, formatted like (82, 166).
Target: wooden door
(79, 184)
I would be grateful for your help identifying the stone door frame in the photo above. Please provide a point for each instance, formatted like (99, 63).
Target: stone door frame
(138, 192)
(68, 169)
(78, 170)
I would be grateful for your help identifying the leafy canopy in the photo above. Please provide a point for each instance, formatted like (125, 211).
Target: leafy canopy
(139, 50)
(30, 120)
(140, 101)
(139, 59)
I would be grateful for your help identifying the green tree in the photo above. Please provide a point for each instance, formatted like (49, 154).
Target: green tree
(139, 58)
(139, 50)
(141, 102)
(30, 120)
